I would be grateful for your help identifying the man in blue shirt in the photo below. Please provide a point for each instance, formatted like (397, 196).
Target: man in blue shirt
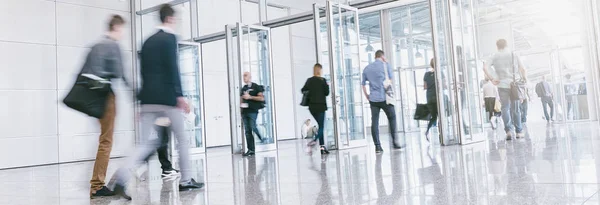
(374, 73)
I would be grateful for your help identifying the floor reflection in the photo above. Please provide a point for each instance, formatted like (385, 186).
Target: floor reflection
(554, 164)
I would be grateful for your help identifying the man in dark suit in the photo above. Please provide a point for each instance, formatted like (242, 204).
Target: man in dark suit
(161, 100)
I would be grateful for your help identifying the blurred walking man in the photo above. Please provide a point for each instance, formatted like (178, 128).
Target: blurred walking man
(544, 91)
(161, 97)
(104, 59)
(375, 74)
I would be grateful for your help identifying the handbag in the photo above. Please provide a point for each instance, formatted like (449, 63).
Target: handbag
(305, 99)
(518, 89)
(422, 112)
(387, 86)
(88, 95)
(497, 106)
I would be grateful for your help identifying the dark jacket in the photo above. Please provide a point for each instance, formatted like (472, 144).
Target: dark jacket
(104, 60)
(161, 81)
(254, 90)
(318, 89)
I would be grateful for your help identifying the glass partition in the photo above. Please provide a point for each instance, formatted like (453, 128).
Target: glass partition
(412, 46)
(446, 88)
(192, 86)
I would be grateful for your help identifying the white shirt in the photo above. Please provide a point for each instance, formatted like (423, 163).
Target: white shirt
(490, 90)
(505, 64)
(166, 29)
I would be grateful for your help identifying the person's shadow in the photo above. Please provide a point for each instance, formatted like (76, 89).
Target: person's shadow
(397, 186)
(324, 197)
(252, 191)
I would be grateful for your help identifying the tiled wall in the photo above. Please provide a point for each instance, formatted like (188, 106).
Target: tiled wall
(42, 45)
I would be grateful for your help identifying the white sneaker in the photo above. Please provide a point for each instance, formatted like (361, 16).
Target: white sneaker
(508, 135)
(170, 174)
(520, 135)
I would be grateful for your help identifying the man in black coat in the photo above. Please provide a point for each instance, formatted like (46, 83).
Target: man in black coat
(160, 97)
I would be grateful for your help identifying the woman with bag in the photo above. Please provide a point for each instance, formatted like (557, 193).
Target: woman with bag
(315, 90)
(508, 75)
(429, 85)
(491, 100)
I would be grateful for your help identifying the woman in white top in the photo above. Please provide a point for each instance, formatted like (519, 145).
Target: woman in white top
(490, 94)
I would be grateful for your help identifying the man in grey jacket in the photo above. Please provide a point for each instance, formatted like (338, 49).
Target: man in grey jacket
(104, 61)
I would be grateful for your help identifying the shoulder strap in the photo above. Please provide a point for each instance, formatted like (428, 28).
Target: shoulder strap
(514, 67)
(385, 68)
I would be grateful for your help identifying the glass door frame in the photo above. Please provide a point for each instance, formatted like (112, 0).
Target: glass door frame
(202, 107)
(329, 18)
(452, 126)
(235, 64)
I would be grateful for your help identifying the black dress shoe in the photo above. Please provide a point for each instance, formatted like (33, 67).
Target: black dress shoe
(324, 150)
(103, 192)
(191, 184)
(249, 153)
(120, 190)
(378, 149)
(398, 146)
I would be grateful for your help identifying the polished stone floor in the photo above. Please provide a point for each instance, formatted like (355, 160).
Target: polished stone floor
(557, 164)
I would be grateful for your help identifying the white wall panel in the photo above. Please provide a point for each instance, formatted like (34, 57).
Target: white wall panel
(70, 61)
(82, 26)
(28, 151)
(283, 102)
(85, 146)
(27, 113)
(33, 23)
(212, 20)
(214, 56)
(304, 50)
(304, 29)
(218, 131)
(284, 91)
(249, 13)
(27, 66)
(119, 5)
(282, 58)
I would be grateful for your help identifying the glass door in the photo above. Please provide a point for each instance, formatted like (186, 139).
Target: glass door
(249, 51)
(457, 72)
(338, 50)
(193, 88)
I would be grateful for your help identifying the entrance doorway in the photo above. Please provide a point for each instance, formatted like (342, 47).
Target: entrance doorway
(337, 40)
(249, 50)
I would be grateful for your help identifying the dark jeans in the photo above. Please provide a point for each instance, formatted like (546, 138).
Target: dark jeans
(511, 115)
(249, 127)
(390, 112)
(524, 108)
(433, 111)
(320, 118)
(548, 102)
(163, 149)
